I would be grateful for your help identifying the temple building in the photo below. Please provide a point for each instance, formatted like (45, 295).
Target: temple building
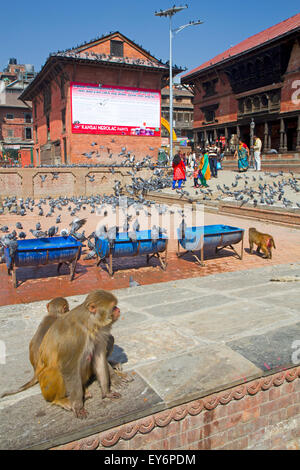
(16, 132)
(257, 80)
(97, 101)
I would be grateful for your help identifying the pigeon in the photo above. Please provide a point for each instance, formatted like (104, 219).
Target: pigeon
(38, 233)
(132, 236)
(77, 224)
(52, 231)
(90, 255)
(64, 232)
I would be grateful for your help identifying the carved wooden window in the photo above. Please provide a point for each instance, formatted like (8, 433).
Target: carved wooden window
(27, 117)
(28, 133)
(249, 105)
(264, 101)
(116, 48)
(210, 112)
(210, 87)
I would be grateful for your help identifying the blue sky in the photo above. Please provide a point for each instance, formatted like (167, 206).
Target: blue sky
(31, 30)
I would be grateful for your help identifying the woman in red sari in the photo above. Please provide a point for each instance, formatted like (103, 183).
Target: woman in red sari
(178, 171)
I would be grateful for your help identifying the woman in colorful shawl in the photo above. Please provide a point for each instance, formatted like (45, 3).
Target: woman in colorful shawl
(204, 170)
(242, 153)
(178, 171)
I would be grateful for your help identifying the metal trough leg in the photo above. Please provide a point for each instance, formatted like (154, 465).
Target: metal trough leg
(73, 265)
(14, 276)
(110, 265)
(240, 256)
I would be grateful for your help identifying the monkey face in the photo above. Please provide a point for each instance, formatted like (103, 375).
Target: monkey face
(104, 316)
(115, 313)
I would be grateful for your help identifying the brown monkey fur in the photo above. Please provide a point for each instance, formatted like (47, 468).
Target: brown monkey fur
(74, 349)
(263, 241)
(56, 307)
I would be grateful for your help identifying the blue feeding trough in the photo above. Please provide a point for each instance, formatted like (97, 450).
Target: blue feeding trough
(215, 237)
(43, 251)
(122, 246)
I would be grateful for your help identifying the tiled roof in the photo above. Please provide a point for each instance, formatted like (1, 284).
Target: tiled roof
(257, 40)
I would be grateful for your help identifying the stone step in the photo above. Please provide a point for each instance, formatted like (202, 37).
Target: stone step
(268, 165)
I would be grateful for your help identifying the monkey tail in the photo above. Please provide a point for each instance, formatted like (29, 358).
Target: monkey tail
(29, 384)
(271, 243)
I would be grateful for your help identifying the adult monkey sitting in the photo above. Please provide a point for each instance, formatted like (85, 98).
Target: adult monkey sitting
(56, 308)
(74, 349)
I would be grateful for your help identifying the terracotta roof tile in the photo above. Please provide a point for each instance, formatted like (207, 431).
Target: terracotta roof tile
(254, 41)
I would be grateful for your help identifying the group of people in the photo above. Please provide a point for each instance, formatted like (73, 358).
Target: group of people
(209, 163)
(243, 155)
(203, 168)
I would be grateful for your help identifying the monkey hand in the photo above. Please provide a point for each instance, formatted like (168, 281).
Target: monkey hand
(125, 378)
(80, 412)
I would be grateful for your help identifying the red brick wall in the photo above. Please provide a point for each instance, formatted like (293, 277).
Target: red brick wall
(77, 144)
(227, 110)
(26, 182)
(17, 124)
(263, 414)
(291, 82)
(25, 155)
(103, 47)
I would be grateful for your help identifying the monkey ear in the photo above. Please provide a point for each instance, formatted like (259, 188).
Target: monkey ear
(92, 308)
(48, 306)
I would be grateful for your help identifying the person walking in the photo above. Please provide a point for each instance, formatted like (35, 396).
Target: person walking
(178, 171)
(213, 158)
(243, 154)
(204, 170)
(257, 153)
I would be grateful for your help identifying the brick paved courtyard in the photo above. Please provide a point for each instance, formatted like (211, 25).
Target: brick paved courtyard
(43, 283)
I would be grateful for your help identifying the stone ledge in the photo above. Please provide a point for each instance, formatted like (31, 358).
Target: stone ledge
(201, 354)
(109, 439)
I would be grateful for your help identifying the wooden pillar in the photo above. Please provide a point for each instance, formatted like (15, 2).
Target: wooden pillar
(298, 135)
(226, 138)
(196, 139)
(283, 137)
(266, 138)
(270, 137)
(205, 138)
(238, 133)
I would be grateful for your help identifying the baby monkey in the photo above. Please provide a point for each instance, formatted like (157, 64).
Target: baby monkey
(56, 308)
(263, 241)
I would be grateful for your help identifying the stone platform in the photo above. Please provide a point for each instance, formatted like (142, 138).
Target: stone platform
(181, 340)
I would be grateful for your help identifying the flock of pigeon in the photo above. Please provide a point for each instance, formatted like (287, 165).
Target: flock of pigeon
(254, 190)
(245, 189)
(54, 207)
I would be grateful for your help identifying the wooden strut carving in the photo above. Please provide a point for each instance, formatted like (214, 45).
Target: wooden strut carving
(164, 418)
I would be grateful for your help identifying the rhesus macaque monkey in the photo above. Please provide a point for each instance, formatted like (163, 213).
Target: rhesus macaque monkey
(75, 348)
(56, 307)
(263, 241)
